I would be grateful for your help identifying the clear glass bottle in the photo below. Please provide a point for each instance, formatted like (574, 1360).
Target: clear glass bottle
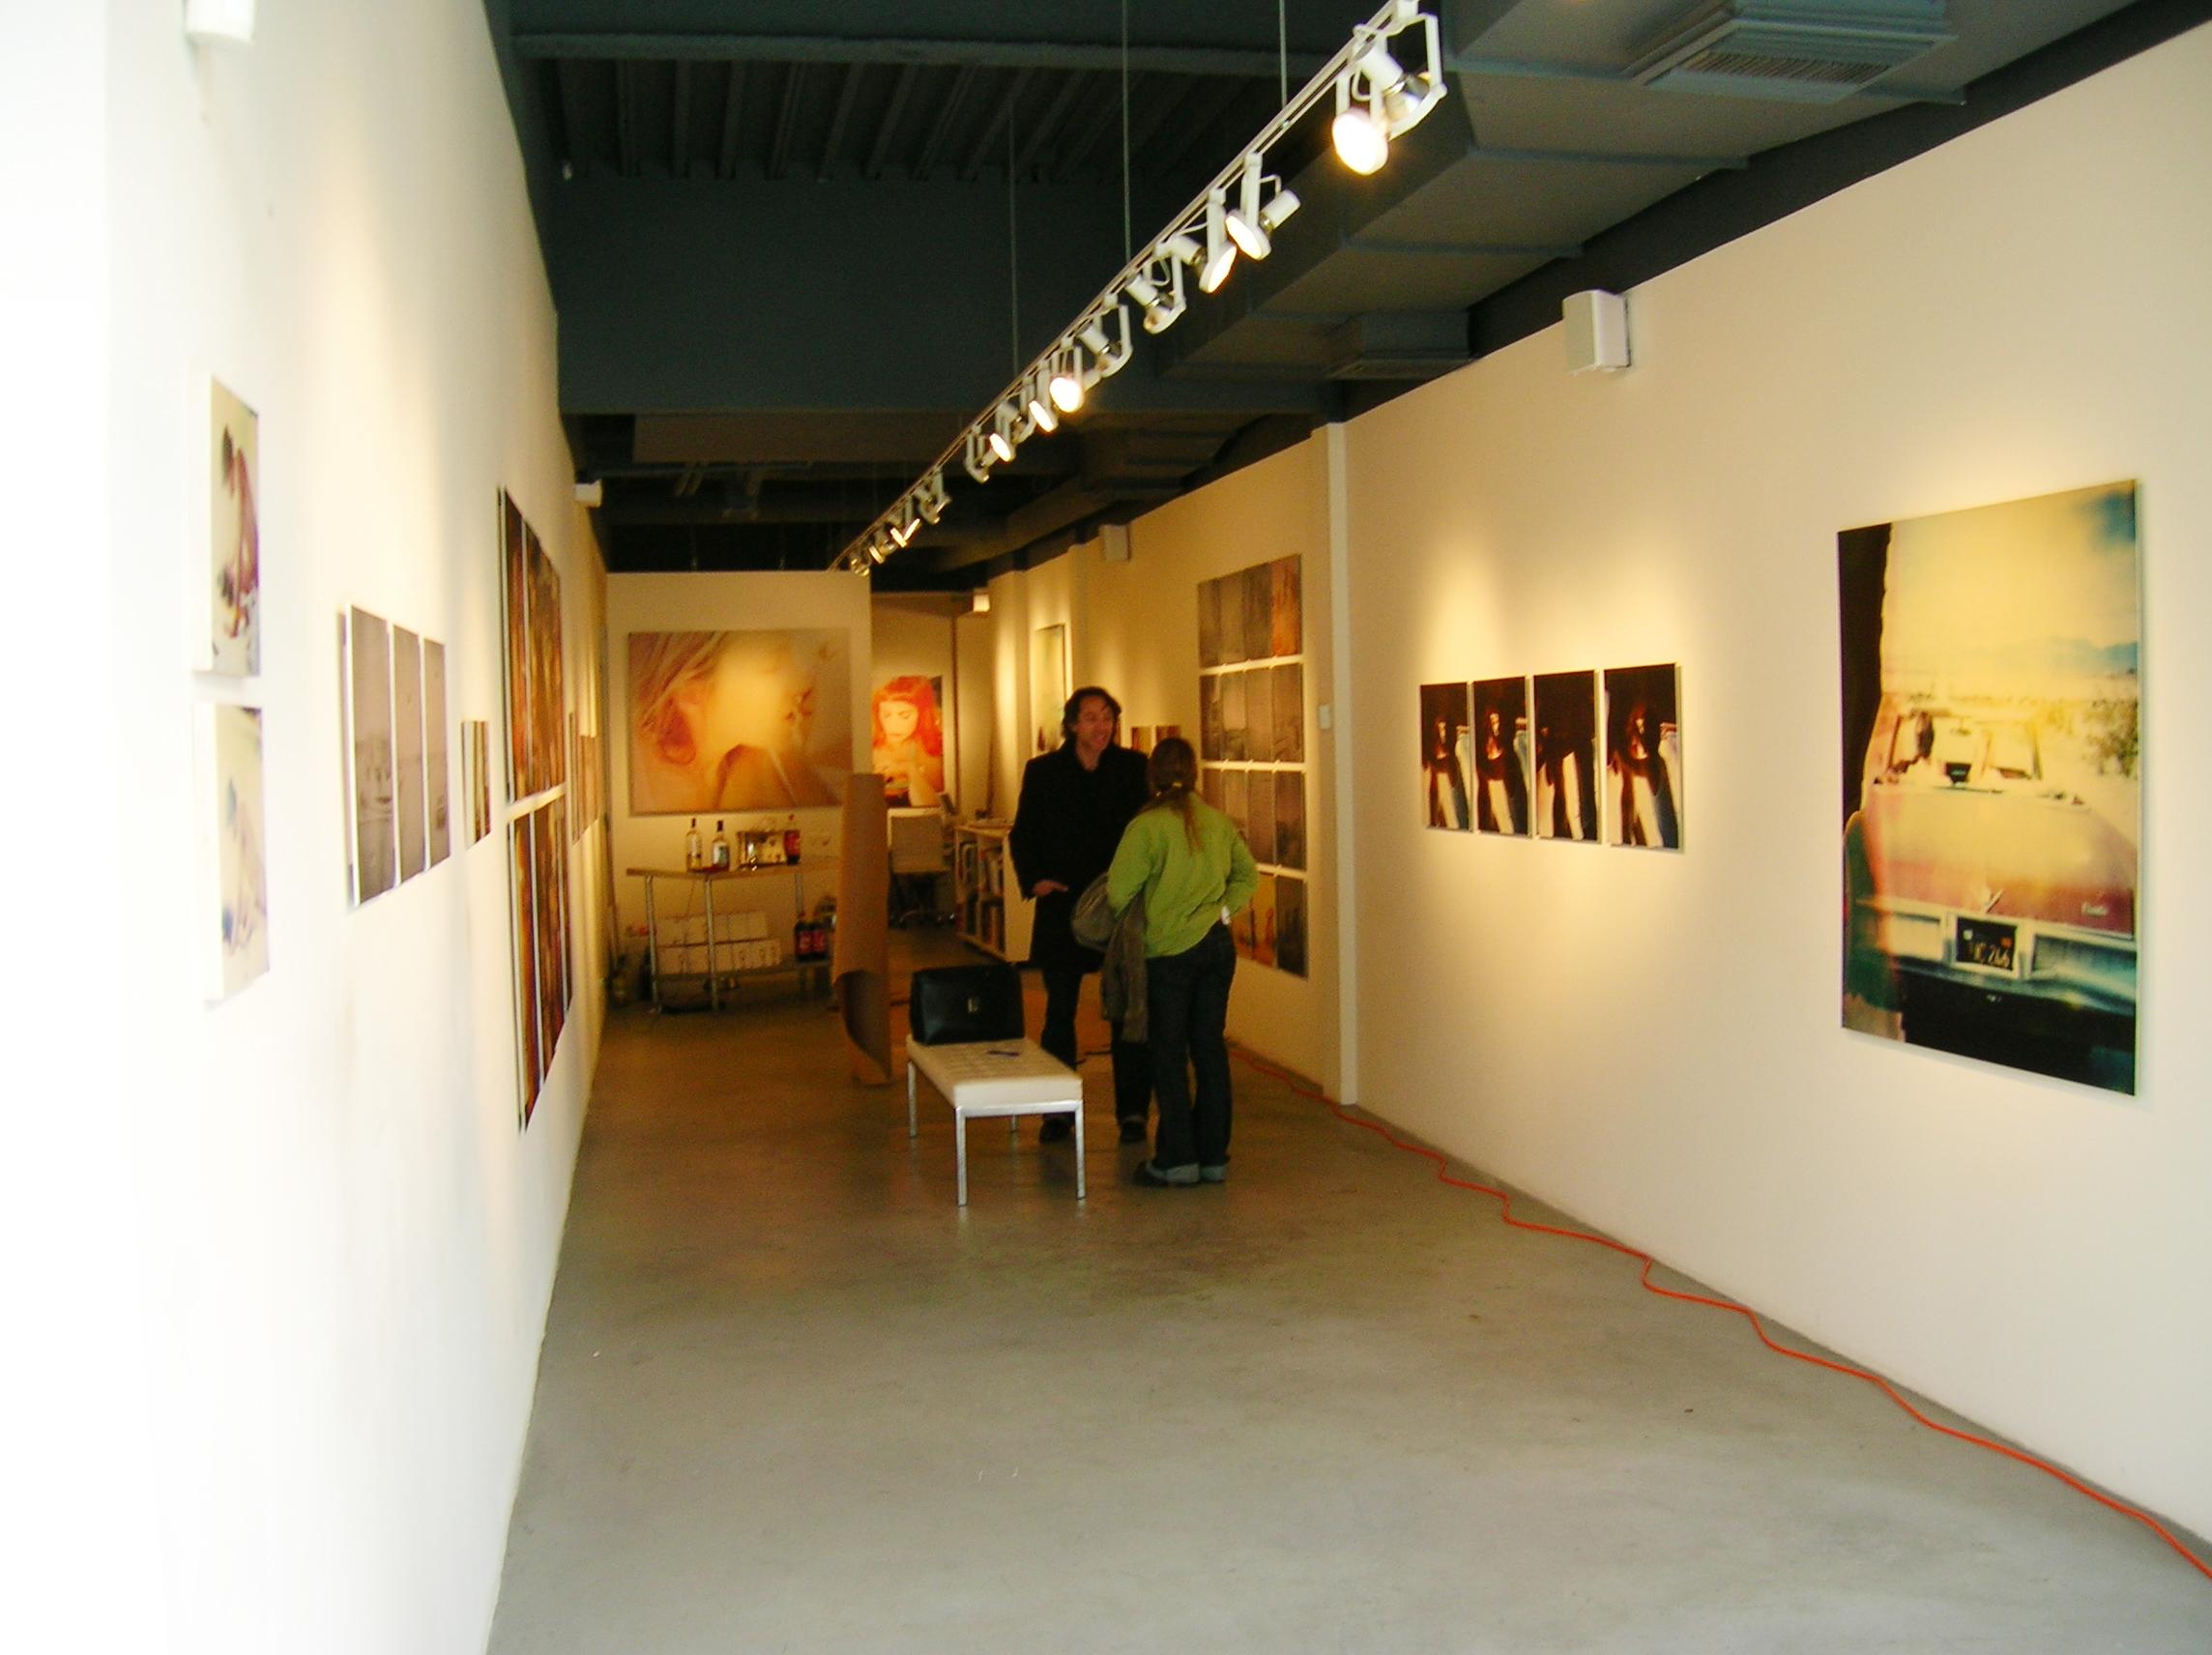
(721, 855)
(694, 849)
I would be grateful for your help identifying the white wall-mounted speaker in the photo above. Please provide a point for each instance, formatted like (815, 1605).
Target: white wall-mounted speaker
(593, 493)
(226, 21)
(1597, 331)
(1114, 542)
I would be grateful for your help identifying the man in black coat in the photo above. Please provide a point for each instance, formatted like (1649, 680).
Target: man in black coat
(1075, 802)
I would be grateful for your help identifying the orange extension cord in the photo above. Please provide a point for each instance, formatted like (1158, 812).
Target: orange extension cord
(1303, 1088)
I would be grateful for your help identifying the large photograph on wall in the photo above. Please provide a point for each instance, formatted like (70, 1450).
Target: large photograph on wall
(1443, 756)
(1500, 746)
(738, 720)
(907, 741)
(1565, 753)
(1992, 788)
(232, 645)
(536, 697)
(1643, 757)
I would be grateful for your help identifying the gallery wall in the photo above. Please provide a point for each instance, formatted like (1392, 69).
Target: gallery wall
(320, 1247)
(645, 603)
(1651, 1039)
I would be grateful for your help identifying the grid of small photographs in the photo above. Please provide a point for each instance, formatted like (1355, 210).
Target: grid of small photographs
(1520, 756)
(1252, 744)
(394, 683)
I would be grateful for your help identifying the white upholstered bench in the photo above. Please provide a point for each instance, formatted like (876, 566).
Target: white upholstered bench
(1011, 1078)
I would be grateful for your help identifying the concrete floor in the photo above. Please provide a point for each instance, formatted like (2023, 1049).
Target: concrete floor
(793, 1399)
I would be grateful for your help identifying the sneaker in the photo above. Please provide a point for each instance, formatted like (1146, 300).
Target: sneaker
(1153, 1177)
(1133, 1129)
(1214, 1174)
(1055, 1129)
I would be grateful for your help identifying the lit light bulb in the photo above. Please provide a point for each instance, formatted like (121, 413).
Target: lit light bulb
(1359, 142)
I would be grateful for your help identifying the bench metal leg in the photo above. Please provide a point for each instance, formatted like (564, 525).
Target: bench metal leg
(1077, 1122)
(910, 1098)
(960, 1139)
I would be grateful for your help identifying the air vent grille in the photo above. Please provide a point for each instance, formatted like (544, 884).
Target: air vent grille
(1794, 52)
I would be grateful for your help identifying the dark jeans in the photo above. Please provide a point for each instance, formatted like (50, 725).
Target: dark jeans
(1132, 1070)
(1188, 998)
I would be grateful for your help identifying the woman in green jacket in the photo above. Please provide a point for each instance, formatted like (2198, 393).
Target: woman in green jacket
(1195, 871)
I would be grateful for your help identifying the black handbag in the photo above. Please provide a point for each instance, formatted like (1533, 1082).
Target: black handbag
(950, 1004)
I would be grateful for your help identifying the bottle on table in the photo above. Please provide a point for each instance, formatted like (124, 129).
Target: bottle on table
(791, 837)
(694, 849)
(721, 856)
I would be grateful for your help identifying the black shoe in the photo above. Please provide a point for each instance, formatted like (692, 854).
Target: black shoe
(1133, 1129)
(1055, 1129)
(1151, 1176)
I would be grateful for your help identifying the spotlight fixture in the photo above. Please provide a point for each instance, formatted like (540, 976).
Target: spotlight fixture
(1251, 224)
(1239, 211)
(979, 458)
(1376, 98)
(1220, 250)
(1039, 401)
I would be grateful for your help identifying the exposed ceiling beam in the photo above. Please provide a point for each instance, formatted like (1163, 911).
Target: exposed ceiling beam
(933, 146)
(733, 110)
(1200, 116)
(887, 128)
(625, 120)
(786, 122)
(987, 140)
(1071, 86)
(1170, 92)
(680, 125)
(846, 93)
(1073, 153)
(1610, 157)
(970, 54)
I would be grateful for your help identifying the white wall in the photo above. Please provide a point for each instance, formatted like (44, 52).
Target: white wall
(719, 602)
(1650, 1041)
(317, 1250)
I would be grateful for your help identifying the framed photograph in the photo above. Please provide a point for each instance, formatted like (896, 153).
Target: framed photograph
(370, 759)
(407, 790)
(1259, 611)
(1289, 701)
(230, 642)
(1991, 807)
(1501, 747)
(1291, 925)
(1235, 800)
(437, 759)
(1643, 758)
(908, 732)
(1235, 731)
(1565, 753)
(1444, 802)
(515, 587)
(1049, 686)
(1291, 819)
(1262, 915)
(1208, 624)
(1230, 596)
(235, 858)
(1259, 714)
(1260, 815)
(734, 722)
(1286, 608)
(475, 775)
(1213, 731)
(528, 1002)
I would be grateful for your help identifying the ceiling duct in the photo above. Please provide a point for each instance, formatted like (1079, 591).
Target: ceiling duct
(1798, 51)
(1399, 345)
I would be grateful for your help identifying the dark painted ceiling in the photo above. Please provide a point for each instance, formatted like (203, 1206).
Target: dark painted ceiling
(797, 246)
